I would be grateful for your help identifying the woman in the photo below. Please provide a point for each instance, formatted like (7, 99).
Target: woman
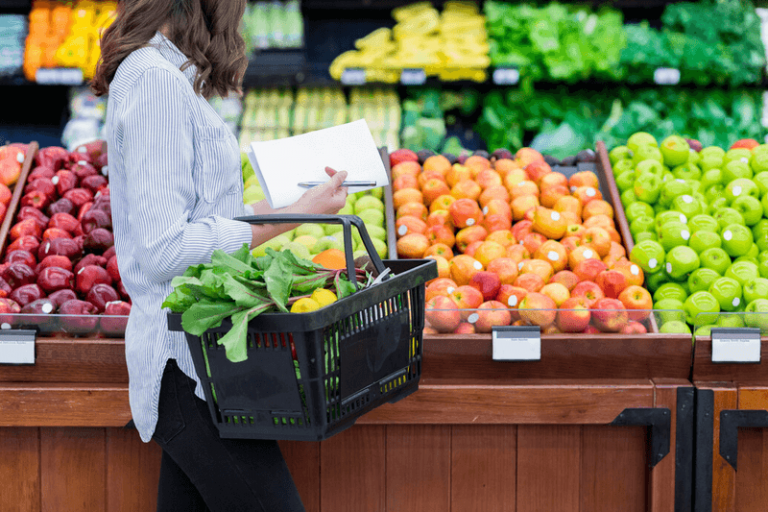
(176, 186)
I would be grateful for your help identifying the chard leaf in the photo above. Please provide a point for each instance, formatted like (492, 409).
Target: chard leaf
(229, 263)
(179, 300)
(344, 288)
(308, 284)
(278, 278)
(242, 294)
(196, 270)
(243, 255)
(234, 341)
(205, 315)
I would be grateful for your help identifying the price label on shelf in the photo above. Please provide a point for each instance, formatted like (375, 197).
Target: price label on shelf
(506, 76)
(353, 76)
(17, 346)
(59, 76)
(413, 77)
(739, 345)
(666, 76)
(516, 343)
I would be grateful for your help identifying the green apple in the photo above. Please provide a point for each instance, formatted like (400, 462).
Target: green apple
(658, 208)
(372, 217)
(757, 315)
(348, 209)
(377, 232)
(358, 254)
(623, 167)
(695, 185)
(742, 271)
(764, 203)
(669, 310)
(647, 153)
(756, 289)
(742, 154)
(253, 195)
(688, 205)
(709, 162)
(628, 198)
(727, 291)
(275, 244)
(701, 308)
(670, 291)
(378, 193)
(644, 235)
(681, 261)
(649, 255)
(759, 150)
(701, 279)
(327, 242)
(736, 169)
(381, 248)
(647, 187)
(368, 203)
(716, 259)
(641, 224)
(728, 216)
(673, 188)
(670, 216)
(298, 249)
(654, 281)
(315, 230)
(715, 196)
(749, 208)
(675, 150)
(698, 196)
(619, 153)
(705, 330)
(737, 240)
(694, 157)
(761, 180)
(712, 150)
(730, 320)
(759, 161)
(626, 181)
(638, 209)
(333, 229)
(307, 241)
(739, 187)
(711, 177)
(673, 234)
(641, 139)
(702, 240)
(703, 222)
(760, 232)
(351, 199)
(649, 167)
(687, 171)
(675, 327)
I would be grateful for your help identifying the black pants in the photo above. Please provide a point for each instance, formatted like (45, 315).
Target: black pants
(202, 472)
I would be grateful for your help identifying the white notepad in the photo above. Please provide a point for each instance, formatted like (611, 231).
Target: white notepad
(282, 164)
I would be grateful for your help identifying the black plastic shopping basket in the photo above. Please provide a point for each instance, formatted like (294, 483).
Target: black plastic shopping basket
(308, 376)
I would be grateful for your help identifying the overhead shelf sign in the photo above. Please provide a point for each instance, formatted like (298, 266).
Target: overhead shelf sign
(506, 76)
(59, 76)
(666, 76)
(353, 76)
(413, 77)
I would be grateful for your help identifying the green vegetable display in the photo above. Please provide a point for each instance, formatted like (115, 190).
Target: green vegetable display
(241, 287)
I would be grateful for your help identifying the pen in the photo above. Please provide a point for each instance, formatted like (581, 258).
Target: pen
(310, 184)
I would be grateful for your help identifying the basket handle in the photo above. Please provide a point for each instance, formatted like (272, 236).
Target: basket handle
(345, 220)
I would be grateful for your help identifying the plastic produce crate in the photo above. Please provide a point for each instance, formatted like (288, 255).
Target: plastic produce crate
(309, 376)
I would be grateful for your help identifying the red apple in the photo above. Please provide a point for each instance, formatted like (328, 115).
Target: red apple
(588, 291)
(588, 269)
(638, 300)
(442, 314)
(537, 309)
(492, 313)
(487, 283)
(634, 328)
(609, 315)
(612, 282)
(465, 328)
(566, 278)
(573, 315)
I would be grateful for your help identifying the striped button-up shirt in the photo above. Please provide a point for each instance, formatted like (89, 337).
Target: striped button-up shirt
(175, 183)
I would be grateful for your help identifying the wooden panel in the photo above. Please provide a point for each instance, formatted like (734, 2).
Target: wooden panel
(65, 405)
(20, 469)
(533, 404)
(613, 469)
(548, 468)
(483, 467)
(95, 360)
(723, 475)
(451, 357)
(418, 468)
(303, 460)
(704, 370)
(751, 486)
(662, 478)
(133, 471)
(72, 469)
(753, 398)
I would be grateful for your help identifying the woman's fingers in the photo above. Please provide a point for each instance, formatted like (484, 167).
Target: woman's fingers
(330, 172)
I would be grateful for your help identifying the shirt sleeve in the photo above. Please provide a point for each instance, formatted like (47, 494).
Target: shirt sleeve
(158, 157)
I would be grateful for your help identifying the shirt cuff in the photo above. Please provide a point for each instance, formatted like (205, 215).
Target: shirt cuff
(233, 234)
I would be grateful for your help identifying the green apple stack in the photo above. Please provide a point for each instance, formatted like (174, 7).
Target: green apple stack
(699, 220)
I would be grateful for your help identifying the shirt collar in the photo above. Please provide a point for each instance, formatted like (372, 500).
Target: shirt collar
(172, 54)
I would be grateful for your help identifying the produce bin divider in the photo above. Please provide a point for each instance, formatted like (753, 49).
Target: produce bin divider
(389, 208)
(18, 190)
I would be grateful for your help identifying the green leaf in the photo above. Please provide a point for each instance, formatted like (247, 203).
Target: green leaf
(235, 341)
(179, 300)
(242, 294)
(205, 315)
(228, 262)
(344, 288)
(278, 279)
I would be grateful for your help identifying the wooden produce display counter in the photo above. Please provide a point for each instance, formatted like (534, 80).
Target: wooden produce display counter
(731, 446)
(597, 424)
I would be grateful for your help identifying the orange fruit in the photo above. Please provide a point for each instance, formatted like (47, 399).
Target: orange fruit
(333, 259)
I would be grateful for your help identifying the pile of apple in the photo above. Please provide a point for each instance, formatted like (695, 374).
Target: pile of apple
(699, 219)
(61, 258)
(309, 240)
(12, 159)
(516, 243)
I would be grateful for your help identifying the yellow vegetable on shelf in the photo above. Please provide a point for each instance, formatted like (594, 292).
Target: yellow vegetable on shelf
(407, 11)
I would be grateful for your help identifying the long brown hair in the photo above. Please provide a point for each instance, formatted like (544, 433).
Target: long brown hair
(206, 31)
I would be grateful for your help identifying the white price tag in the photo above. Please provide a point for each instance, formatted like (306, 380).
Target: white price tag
(666, 76)
(17, 347)
(413, 77)
(515, 343)
(506, 76)
(353, 76)
(740, 345)
(59, 76)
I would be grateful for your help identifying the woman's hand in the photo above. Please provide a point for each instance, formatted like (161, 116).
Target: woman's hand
(326, 199)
